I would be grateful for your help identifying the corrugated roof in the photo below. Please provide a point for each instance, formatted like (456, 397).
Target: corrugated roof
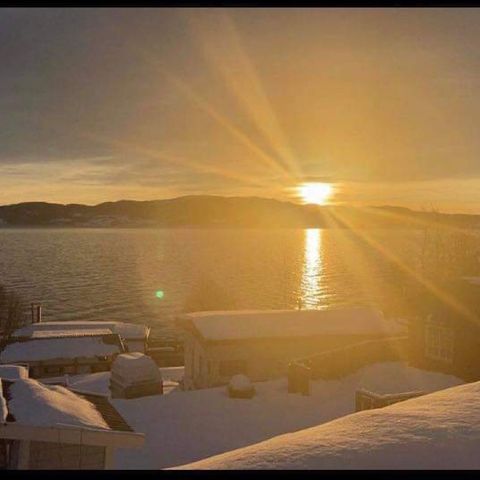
(94, 332)
(110, 415)
(125, 330)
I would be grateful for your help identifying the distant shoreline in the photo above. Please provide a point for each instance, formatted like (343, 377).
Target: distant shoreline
(215, 212)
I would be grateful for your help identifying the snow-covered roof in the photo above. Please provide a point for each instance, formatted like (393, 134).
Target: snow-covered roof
(36, 404)
(125, 330)
(57, 348)
(435, 431)
(244, 324)
(12, 372)
(90, 332)
(135, 367)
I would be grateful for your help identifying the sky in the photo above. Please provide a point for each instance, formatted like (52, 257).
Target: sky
(106, 104)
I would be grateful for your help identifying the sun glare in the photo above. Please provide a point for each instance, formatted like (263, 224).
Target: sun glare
(316, 193)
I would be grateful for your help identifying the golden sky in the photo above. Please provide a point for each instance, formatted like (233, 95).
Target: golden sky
(111, 104)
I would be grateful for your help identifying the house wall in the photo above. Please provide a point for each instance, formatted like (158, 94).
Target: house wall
(56, 368)
(135, 345)
(465, 362)
(209, 364)
(54, 456)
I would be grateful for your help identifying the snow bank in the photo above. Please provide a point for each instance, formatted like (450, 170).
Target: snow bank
(436, 431)
(56, 348)
(34, 403)
(125, 330)
(240, 383)
(13, 372)
(131, 368)
(241, 324)
(186, 426)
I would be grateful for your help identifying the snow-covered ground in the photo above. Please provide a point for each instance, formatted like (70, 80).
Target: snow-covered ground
(436, 431)
(186, 426)
(99, 382)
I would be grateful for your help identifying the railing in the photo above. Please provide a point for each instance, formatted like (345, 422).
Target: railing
(165, 354)
(336, 363)
(366, 400)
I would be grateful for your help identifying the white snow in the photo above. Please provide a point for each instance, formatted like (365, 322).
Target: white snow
(240, 383)
(33, 403)
(241, 324)
(99, 383)
(56, 348)
(69, 333)
(131, 368)
(436, 431)
(186, 426)
(125, 330)
(12, 372)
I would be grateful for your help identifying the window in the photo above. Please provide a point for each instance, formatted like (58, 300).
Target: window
(53, 370)
(232, 367)
(439, 342)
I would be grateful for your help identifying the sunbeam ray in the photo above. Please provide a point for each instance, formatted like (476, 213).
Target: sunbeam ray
(231, 60)
(227, 124)
(439, 292)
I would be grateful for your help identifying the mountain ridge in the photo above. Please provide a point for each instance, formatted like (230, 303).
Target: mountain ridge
(220, 211)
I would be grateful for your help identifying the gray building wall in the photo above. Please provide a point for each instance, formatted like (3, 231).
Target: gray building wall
(55, 456)
(210, 364)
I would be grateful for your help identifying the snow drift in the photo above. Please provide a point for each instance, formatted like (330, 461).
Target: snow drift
(437, 431)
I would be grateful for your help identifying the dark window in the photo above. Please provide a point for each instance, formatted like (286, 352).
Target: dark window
(228, 368)
(53, 370)
(8, 454)
(439, 342)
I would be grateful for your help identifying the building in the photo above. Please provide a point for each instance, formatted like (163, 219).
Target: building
(260, 344)
(446, 335)
(134, 336)
(51, 427)
(54, 353)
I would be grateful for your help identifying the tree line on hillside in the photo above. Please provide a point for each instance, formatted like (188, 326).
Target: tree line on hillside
(218, 212)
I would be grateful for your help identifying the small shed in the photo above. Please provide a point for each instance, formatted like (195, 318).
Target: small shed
(51, 427)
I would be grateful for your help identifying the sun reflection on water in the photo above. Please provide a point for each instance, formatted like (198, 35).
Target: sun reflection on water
(312, 268)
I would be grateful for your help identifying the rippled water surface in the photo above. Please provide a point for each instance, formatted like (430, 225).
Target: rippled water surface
(116, 273)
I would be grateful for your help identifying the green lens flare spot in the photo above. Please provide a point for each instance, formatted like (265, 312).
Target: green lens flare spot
(159, 294)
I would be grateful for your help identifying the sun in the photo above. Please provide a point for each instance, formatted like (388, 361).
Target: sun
(316, 193)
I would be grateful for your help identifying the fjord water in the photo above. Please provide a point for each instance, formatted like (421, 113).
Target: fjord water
(144, 275)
